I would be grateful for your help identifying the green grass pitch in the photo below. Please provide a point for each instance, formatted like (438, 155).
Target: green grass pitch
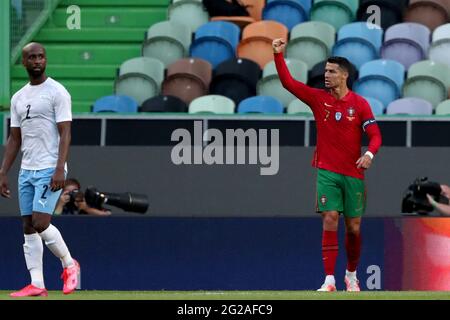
(241, 295)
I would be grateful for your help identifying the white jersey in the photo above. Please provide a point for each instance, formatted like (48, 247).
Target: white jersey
(36, 110)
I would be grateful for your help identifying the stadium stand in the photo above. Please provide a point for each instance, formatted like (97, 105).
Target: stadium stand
(164, 103)
(336, 12)
(443, 108)
(256, 43)
(140, 78)
(440, 47)
(311, 42)
(167, 41)
(287, 12)
(427, 80)
(115, 103)
(406, 43)
(391, 11)
(410, 106)
(179, 10)
(216, 42)
(376, 105)
(260, 104)
(298, 107)
(187, 79)
(236, 79)
(360, 42)
(212, 104)
(431, 13)
(254, 9)
(381, 79)
(270, 84)
(112, 32)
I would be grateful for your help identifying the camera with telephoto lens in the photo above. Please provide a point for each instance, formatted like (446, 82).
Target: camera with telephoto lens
(415, 197)
(130, 202)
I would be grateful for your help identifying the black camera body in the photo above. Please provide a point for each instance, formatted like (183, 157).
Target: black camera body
(415, 197)
(73, 194)
(127, 201)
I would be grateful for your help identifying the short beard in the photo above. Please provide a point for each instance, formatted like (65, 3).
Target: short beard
(35, 74)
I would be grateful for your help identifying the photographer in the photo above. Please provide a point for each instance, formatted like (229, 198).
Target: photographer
(72, 201)
(444, 209)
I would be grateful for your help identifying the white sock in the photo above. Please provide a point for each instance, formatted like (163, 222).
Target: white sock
(351, 275)
(330, 280)
(54, 241)
(33, 250)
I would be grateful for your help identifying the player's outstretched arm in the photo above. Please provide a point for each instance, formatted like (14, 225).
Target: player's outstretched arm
(297, 88)
(11, 151)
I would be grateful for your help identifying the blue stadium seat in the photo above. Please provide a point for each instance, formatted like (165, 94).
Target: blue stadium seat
(260, 104)
(115, 103)
(376, 106)
(359, 42)
(215, 42)
(287, 12)
(381, 79)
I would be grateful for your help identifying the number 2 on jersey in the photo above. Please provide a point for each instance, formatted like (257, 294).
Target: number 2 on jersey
(28, 112)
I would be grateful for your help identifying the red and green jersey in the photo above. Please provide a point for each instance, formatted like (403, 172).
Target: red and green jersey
(340, 124)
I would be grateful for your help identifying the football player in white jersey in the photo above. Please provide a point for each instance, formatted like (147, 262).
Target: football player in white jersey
(40, 126)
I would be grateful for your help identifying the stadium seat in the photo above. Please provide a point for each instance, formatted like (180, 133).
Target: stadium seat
(299, 107)
(440, 47)
(115, 103)
(376, 105)
(311, 42)
(406, 43)
(316, 77)
(335, 12)
(431, 13)
(254, 8)
(381, 79)
(236, 79)
(287, 12)
(140, 78)
(164, 103)
(360, 42)
(256, 43)
(270, 84)
(260, 104)
(212, 104)
(215, 42)
(410, 106)
(391, 11)
(193, 9)
(187, 79)
(443, 108)
(427, 80)
(167, 41)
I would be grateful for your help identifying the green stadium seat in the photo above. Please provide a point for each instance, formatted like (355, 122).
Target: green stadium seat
(212, 104)
(427, 80)
(140, 78)
(298, 107)
(335, 12)
(311, 42)
(270, 85)
(443, 108)
(188, 12)
(167, 41)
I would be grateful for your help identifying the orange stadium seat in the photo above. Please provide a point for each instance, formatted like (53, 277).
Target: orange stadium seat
(431, 13)
(257, 40)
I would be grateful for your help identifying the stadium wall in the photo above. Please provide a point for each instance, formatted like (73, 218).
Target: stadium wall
(238, 190)
(139, 253)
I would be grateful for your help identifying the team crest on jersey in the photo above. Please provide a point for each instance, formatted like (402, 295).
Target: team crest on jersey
(323, 199)
(338, 116)
(351, 114)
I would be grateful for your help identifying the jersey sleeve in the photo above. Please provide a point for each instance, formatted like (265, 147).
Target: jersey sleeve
(370, 127)
(297, 88)
(15, 119)
(63, 106)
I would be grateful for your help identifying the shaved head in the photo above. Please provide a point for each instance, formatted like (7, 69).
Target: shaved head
(32, 46)
(35, 61)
